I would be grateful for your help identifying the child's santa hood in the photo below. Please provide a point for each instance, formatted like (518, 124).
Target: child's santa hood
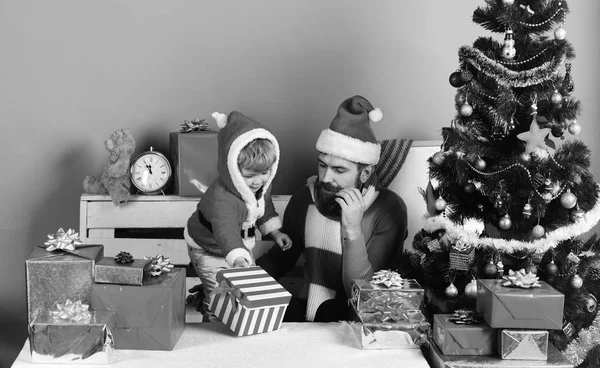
(237, 130)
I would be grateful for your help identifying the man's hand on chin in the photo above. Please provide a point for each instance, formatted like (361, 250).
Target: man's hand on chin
(353, 208)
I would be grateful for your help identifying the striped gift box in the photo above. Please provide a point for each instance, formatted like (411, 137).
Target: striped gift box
(258, 306)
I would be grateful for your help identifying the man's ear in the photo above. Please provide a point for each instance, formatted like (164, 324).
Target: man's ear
(366, 173)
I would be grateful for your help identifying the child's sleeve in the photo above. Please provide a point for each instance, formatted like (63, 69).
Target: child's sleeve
(270, 221)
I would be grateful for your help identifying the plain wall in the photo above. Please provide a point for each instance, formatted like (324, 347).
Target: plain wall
(73, 71)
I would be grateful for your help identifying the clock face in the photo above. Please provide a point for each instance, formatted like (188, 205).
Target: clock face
(150, 172)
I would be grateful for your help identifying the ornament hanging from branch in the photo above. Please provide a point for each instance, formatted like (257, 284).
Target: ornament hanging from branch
(508, 50)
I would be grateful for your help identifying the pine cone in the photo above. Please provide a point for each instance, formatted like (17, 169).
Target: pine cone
(124, 258)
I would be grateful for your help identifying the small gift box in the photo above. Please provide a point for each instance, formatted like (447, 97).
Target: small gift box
(72, 335)
(514, 307)
(388, 289)
(61, 269)
(392, 329)
(462, 256)
(249, 301)
(457, 336)
(523, 344)
(110, 270)
(148, 317)
(194, 159)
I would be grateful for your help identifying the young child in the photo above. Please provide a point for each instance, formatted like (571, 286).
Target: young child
(220, 233)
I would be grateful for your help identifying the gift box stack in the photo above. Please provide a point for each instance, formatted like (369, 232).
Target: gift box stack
(388, 310)
(82, 305)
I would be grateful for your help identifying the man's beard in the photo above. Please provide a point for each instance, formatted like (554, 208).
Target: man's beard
(325, 195)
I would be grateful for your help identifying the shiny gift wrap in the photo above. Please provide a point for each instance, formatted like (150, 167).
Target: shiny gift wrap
(72, 340)
(110, 272)
(194, 159)
(368, 298)
(523, 344)
(509, 307)
(57, 275)
(463, 339)
(148, 317)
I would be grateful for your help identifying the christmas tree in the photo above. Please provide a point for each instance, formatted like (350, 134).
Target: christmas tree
(510, 188)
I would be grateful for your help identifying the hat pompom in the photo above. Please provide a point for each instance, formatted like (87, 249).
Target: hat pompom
(375, 115)
(220, 118)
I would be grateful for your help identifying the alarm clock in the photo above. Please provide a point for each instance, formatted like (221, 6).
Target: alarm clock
(151, 172)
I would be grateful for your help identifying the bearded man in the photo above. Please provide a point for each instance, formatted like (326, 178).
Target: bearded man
(345, 224)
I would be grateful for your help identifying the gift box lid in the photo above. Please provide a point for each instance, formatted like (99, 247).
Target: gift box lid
(83, 251)
(408, 285)
(46, 318)
(254, 287)
(467, 336)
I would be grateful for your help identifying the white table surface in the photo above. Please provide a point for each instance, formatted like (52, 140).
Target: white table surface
(303, 345)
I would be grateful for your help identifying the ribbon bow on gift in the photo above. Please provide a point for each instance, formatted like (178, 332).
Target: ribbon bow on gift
(465, 317)
(63, 240)
(225, 288)
(124, 258)
(159, 264)
(72, 311)
(521, 279)
(387, 278)
(195, 125)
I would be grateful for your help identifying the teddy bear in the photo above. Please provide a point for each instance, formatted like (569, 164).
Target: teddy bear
(116, 178)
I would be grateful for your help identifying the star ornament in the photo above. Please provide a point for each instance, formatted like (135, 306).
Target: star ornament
(535, 139)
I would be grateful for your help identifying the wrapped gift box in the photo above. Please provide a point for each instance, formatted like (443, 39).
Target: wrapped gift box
(58, 275)
(523, 344)
(249, 301)
(507, 307)
(194, 160)
(148, 317)
(110, 272)
(59, 341)
(463, 339)
(367, 297)
(392, 330)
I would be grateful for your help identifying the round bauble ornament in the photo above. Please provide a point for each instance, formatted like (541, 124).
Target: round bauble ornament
(451, 291)
(438, 158)
(469, 188)
(527, 208)
(508, 2)
(491, 270)
(560, 33)
(471, 289)
(577, 214)
(538, 231)
(591, 304)
(557, 130)
(532, 268)
(525, 158)
(466, 110)
(440, 204)
(568, 200)
(466, 75)
(509, 52)
(505, 222)
(456, 80)
(480, 164)
(551, 268)
(556, 97)
(574, 128)
(576, 281)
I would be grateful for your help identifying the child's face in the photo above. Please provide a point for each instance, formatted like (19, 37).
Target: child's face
(255, 180)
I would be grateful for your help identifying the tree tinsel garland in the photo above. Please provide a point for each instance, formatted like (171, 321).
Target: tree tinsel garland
(488, 17)
(507, 77)
(587, 339)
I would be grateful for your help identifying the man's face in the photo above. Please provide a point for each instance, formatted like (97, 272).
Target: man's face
(335, 174)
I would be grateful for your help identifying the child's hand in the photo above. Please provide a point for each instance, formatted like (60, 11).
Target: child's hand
(282, 239)
(240, 262)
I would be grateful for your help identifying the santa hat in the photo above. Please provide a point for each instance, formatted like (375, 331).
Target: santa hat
(350, 135)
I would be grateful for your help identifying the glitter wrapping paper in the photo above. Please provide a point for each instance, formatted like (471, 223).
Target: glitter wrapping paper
(110, 272)
(59, 341)
(53, 277)
(523, 344)
(148, 317)
(463, 339)
(508, 307)
(368, 298)
(194, 159)
(249, 301)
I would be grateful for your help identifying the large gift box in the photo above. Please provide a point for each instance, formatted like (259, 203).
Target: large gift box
(148, 317)
(194, 159)
(109, 271)
(523, 344)
(454, 336)
(60, 270)
(249, 301)
(388, 289)
(72, 340)
(512, 307)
